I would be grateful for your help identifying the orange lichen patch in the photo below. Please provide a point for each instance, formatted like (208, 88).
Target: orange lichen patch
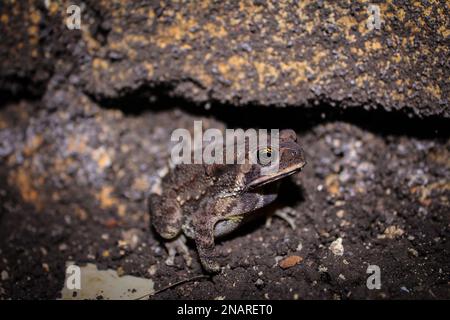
(35, 16)
(233, 68)
(332, 184)
(150, 16)
(189, 29)
(309, 26)
(92, 44)
(106, 199)
(55, 196)
(77, 144)
(4, 19)
(444, 31)
(441, 156)
(33, 32)
(61, 167)
(119, 45)
(28, 187)
(123, 73)
(167, 35)
(104, 161)
(396, 96)
(400, 14)
(265, 71)
(3, 123)
(362, 27)
(53, 8)
(81, 213)
(372, 45)
(396, 58)
(141, 184)
(424, 192)
(125, 45)
(435, 90)
(149, 68)
(283, 25)
(346, 23)
(136, 39)
(198, 72)
(121, 210)
(102, 157)
(215, 30)
(237, 62)
(100, 64)
(32, 145)
(357, 51)
(300, 68)
(362, 80)
(318, 55)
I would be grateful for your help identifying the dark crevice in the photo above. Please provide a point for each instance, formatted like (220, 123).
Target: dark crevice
(19, 92)
(378, 121)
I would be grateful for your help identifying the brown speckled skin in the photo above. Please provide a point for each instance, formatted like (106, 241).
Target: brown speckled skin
(207, 201)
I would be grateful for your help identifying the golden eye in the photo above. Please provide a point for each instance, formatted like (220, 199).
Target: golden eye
(264, 153)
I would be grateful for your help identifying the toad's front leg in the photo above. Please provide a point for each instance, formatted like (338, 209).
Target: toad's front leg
(166, 218)
(204, 239)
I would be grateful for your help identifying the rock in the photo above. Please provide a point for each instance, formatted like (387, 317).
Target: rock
(109, 285)
(289, 61)
(336, 247)
(340, 214)
(131, 238)
(413, 252)
(4, 275)
(290, 262)
(392, 232)
(259, 283)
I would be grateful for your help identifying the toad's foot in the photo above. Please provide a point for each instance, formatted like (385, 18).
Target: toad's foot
(178, 246)
(210, 265)
(286, 214)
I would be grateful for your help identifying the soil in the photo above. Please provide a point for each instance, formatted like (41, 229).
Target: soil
(74, 180)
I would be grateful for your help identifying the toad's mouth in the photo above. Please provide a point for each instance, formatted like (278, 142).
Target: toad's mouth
(266, 179)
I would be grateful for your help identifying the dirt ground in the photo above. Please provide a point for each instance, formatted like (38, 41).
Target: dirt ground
(74, 181)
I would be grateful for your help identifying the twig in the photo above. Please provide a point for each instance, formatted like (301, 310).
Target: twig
(173, 285)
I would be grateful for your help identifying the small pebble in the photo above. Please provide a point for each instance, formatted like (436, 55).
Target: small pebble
(4, 275)
(340, 214)
(259, 283)
(336, 247)
(413, 252)
(290, 262)
(45, 267)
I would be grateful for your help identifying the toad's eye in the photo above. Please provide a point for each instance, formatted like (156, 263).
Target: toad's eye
(264, 155)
